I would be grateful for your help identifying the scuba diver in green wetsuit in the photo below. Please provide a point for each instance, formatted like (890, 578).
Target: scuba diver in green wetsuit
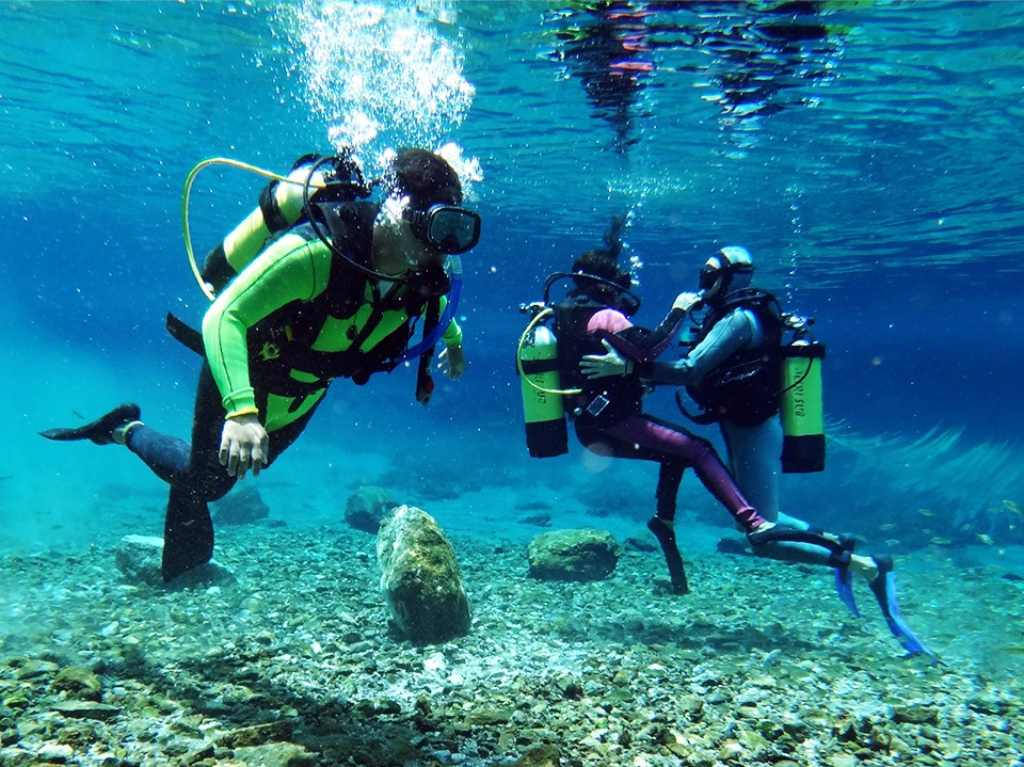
(337, 293)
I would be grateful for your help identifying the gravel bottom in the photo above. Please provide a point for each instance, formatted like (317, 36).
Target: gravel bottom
(293, 664)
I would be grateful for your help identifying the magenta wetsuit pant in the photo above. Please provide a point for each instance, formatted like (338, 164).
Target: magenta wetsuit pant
(647, 438)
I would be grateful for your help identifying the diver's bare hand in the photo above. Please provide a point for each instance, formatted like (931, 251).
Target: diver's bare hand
(452, 362)
(244, 445)
(605, 365)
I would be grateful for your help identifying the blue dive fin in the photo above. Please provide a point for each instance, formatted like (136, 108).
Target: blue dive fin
(884, 589)
(844, 588)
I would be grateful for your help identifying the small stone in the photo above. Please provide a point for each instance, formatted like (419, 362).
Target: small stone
(206, 751)
(751, 740)
(573, 555)
(730, 749)
(915, 713)
(748, 697)
(33, 669)
(86, 709)
(54, 753)
(692, 705)
(488, 716)
(843, 760)
(540, 756)
(139, 559)
(275, 755)
(80, 681)
(16, 701)
(256, 735)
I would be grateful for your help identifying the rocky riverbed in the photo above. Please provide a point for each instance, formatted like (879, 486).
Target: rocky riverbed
(292, 664)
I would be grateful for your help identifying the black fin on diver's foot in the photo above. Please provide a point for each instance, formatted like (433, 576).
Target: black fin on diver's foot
(883, 586)
(667, 538)
(100, 431)
(188, 534)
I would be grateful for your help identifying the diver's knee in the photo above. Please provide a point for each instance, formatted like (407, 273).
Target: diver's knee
(700, 450)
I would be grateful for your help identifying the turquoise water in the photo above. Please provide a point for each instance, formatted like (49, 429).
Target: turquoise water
(869, 155)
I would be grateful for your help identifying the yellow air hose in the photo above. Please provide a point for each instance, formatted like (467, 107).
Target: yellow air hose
(542, 315)
(186, 194)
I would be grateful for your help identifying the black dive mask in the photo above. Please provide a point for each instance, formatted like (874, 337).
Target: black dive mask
(446, 228)
(724, 275)
(709, 276)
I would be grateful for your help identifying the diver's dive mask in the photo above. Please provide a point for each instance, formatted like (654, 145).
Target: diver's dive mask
(447, 228)
(718, 278)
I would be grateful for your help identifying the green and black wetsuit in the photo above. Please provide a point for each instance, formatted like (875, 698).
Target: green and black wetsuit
(293, 318)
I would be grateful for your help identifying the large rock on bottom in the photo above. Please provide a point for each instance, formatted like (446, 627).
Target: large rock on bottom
(367, 507)
(420, 577)
(573, 555)
(243, 507)
(138, 558)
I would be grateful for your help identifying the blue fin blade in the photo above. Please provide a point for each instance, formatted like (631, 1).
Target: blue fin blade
(884, 589)
(844, 588)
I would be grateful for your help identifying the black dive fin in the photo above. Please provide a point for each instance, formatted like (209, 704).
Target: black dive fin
(188, 534)
(667, 538)
(99, 431)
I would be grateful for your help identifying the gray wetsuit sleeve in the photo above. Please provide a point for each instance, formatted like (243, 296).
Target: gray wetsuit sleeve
(735, 332)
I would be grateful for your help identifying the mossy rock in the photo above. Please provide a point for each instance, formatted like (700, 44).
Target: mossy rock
(367, 507)
(420, 578)
(573, 555)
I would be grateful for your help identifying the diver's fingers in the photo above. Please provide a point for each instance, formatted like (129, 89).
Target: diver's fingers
(259, 458)
(611, 349)
(233, 456)
(224, 445)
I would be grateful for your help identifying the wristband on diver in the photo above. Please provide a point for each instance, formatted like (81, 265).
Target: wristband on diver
(251, 410)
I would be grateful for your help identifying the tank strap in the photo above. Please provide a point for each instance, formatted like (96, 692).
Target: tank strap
(273, 218)
(540, 366)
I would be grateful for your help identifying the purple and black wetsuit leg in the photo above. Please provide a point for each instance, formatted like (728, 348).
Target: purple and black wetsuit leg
(674, 448)
(652, 439)
(195, 475)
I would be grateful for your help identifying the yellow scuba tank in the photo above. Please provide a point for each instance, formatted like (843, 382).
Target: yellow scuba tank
(803, 426)
(543, 409)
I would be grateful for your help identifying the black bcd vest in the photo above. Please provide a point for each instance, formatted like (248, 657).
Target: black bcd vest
(623, 395)
(283, 340)
(745, 388)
